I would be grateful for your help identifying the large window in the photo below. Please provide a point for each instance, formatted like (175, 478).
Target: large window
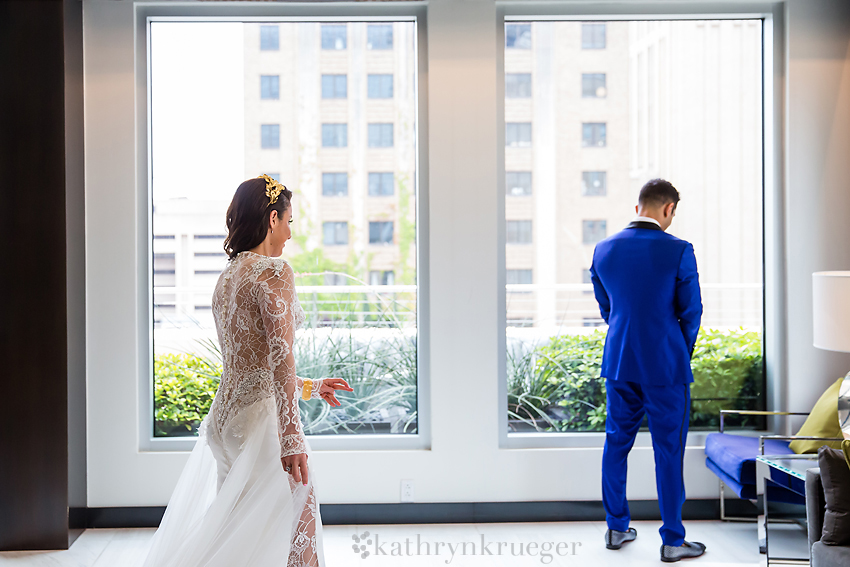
(270, 86)
(518, 134)
(335, 184)
(334, 86)
(518, 85)
(379, 36)
(334, 135)
(381, 184)
(355, 265)
(609, 111)
(380, 86)
(334, 36)
(381, 135)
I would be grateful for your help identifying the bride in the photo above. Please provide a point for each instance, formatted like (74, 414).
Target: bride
(246, 495)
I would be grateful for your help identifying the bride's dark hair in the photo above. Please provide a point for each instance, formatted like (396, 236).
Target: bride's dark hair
(248, 215)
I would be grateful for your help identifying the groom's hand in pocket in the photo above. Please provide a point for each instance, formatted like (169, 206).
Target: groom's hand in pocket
(296, 465)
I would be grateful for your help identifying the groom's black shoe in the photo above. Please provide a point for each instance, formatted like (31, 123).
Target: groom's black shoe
(615, 539)
(670, 554)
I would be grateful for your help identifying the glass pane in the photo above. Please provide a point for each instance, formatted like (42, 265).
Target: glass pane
(613, 105)
(518, 183)
(367, 336)
(334, 36)
(379, 36)
(270, 86)
(518, 36)
(518, 85)
(269, 38)
(593, 85)
(334, 86)
(380, 135)
(380, 86)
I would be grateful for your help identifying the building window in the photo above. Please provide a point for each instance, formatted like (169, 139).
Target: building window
(518, 36)
(269, 38)
(335, 279)
(269, 86)
(334, 86)
(275, 176)
(518, 134)
(592, 231)
(518, 183)
(335, 184)
(593, 85)
(164, 269)
(381, 184)
(593, 36)
(594, 183)
(380, 86)
(382, 277)
(381, 232)
(379, 36)
(519, 277)
(163, 237)
(269, 136)
(334, 135)
(381, 135)
(586, 279)
(518, 85)
(210, 236)
(519, 232)
(593, 135)
(592, 322)
(334, 36)
(335, 233)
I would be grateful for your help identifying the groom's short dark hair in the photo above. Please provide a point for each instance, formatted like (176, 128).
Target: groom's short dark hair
(657, 193)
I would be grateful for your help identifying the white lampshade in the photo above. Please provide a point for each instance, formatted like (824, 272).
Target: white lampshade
(831, 294)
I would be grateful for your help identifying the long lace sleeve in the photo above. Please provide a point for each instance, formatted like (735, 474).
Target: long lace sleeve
(277, 301)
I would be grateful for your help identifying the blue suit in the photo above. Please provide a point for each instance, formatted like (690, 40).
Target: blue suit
(647, 287)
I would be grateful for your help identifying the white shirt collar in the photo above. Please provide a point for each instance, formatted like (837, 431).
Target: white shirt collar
(646, 219)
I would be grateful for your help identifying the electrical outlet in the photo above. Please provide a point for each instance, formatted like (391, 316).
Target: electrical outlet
(407, 491)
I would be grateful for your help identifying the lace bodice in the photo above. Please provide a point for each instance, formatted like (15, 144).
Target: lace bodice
(256, 314)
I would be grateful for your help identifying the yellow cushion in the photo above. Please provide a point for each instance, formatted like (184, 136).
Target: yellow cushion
(822, 422)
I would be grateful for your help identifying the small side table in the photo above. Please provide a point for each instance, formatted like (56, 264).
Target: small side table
(788, 472)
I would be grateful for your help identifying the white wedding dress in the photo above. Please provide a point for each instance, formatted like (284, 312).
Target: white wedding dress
(234, 505)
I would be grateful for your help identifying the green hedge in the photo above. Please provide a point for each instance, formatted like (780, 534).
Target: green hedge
(553, 387)
(556, 386)
(184, 388)
(382, 373)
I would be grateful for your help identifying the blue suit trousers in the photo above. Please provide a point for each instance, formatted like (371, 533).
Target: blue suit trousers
(667, 409)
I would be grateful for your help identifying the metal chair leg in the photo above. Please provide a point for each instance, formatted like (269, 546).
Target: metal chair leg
(723, 516)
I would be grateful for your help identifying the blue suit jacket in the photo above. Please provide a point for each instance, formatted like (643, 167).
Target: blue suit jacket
(647, 286)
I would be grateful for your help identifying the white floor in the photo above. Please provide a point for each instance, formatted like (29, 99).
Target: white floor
(581, 544)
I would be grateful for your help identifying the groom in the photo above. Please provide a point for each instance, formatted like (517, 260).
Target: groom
(647, 287)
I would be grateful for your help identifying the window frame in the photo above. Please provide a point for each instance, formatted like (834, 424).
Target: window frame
(775, 366)
(335, 79)
(277, 13)
(380, 128)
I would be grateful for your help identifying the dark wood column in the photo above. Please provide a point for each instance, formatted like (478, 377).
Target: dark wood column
(40, 159)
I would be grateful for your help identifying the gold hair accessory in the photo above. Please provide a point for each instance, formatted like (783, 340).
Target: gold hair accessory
(273, 188)
(307, 390)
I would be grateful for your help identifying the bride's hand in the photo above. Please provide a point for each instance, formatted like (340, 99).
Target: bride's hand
(328, 388)
(296, 465)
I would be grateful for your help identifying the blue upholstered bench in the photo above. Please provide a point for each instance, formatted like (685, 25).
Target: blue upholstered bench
(733, 459)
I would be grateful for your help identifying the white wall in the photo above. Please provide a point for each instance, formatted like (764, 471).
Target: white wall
(817, 187)
(464, 462)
